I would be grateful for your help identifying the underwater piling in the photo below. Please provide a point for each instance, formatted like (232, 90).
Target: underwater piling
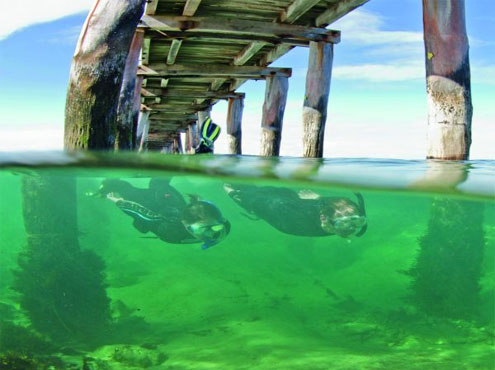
(273, 115)
(448, 79)
(234, 124)
(447, 272)
(97, 72)
(61, 287)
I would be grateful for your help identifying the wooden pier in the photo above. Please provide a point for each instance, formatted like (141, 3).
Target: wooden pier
(183, 56)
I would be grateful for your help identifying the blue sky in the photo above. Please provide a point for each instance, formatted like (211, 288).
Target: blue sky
(377, 104)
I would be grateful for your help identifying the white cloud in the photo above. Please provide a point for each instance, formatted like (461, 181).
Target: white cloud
(364, 28)
(381, 72)
(37, 137)
(15, 15)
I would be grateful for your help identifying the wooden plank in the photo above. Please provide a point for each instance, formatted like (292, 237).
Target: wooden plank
(174, 51)
(448, 80)
(337, 11)
(216, 71)
(297, 9)
(273, 115)
(239, 26)
(316, 98)
(191, 7)
(248, 52)
(234, 125)
(151, 7)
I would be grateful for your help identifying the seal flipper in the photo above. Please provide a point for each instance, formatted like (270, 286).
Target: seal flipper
(141, 225)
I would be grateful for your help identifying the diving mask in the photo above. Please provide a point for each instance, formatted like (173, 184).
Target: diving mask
(210, 234)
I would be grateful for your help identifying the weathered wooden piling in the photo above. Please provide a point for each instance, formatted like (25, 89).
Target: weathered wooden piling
(316, 99)
(203, 116)
(234, 125)
(448, 79)
(142, 131)
(130, 97)
(96, 74)
(192, 138)
(273, 115)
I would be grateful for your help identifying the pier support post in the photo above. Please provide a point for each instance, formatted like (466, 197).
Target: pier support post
(129, 100)
(96, 74)
(273, 115)
(234, 125)
(142, 131)
(448, 79)
(316, 98)
(192, 138)
(203, 115)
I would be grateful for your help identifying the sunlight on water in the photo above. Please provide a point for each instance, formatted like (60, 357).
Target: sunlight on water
(155, 262)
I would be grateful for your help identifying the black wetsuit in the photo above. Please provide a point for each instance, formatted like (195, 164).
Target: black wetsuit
(157, 209)
(282, 208)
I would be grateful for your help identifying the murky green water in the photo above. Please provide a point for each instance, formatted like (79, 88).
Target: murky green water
(88, 283)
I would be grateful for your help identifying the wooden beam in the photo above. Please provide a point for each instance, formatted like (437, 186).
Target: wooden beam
(276, 53)
(273, 115)
(172, 107)
(316, 98)
(151, 7)
(186, 35)
(238, 26)
(217, 83)
(296, 10)
(174, 51)
(337, 11)
(248, 52)
(172, 116)
(448, 80)
(156, 92)
(191, 7)
(214, 71)
(234, 125)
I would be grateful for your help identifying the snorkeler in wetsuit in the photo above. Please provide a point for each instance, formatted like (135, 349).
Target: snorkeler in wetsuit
(162, 210)
(209, 132)
(302, 213)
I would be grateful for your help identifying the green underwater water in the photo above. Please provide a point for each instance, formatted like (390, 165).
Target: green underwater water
(82, 288)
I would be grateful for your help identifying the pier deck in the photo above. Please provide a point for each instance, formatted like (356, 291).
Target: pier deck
(197, 52)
